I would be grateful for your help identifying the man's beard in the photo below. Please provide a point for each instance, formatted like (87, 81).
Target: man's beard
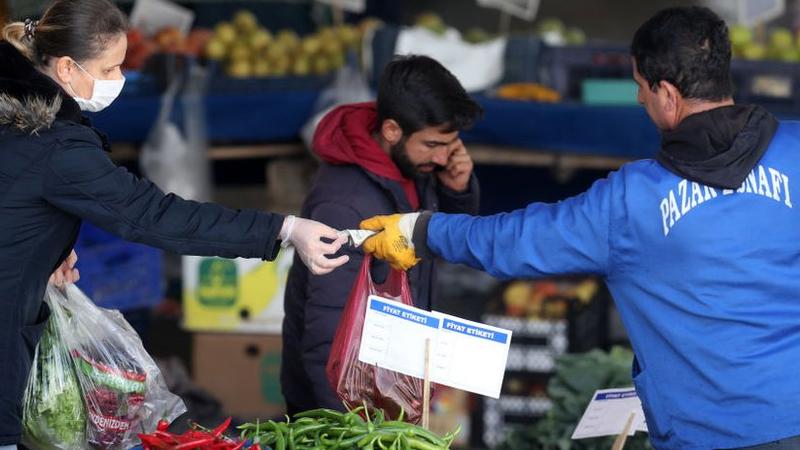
(407, 168)
(402, 161)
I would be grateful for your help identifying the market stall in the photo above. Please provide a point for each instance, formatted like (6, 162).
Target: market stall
(215, 83)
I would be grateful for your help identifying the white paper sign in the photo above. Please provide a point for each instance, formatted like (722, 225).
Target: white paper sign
(465, 355)
(394, 336)
(608, 413)
(150, 16)
(470, 356)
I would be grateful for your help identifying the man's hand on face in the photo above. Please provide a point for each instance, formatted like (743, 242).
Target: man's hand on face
(457, 172)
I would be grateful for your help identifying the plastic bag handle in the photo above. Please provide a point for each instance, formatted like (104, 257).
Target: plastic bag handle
(396, 278)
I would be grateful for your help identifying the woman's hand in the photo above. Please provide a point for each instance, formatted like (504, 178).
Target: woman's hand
(66, 272)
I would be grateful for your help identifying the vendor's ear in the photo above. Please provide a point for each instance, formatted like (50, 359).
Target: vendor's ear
(670, 100)
(391, 131)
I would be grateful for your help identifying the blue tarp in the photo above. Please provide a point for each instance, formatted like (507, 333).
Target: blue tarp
(278, 116)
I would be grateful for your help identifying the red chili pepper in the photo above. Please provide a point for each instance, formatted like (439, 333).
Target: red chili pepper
(254, 447)
(162, 425)
(221, 428)
(238, 446)
(151, 442)
(195, 444)
(169, 438)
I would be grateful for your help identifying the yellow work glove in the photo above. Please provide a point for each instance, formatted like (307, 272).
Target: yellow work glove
(392, 243)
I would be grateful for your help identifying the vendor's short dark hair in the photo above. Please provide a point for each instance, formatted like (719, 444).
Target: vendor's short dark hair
(688, 47)
(418, 92)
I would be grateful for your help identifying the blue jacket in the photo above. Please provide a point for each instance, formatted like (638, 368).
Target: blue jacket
(705, 279)
(54, 172)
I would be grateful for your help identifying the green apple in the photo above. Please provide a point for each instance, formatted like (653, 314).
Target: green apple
(550, 25)
(216, 50)
(781, 38)
(261, 68)
(260, 39)
(754, 51)
(575, 36)
(245, 21)
(301, 66)
(225, 32)
(240, 69)
(740, 35)
(432, 22)
(477, 35)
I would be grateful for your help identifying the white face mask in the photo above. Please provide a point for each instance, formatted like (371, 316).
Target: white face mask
(104, 92)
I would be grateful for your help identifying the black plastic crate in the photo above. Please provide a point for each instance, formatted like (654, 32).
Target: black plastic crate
(772, 84)
(565, 67)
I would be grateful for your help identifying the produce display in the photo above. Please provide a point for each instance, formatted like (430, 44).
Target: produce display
(246, 49)
(197, 438)
(168, 40)
(319, 429)
(554, 32)
(528, 91)
(545, 299)
(777, 44)
(550, 30)
(325, 429)
(576, 378)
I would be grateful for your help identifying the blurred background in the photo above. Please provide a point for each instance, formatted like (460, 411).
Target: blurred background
(220, 102)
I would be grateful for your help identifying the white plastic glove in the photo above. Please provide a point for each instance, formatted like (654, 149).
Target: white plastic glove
(306, 237)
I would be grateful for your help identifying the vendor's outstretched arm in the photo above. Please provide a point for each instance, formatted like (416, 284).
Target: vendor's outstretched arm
(571, 236)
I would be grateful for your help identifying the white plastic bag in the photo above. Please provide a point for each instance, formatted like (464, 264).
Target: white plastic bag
(53, 415)
(122, 389)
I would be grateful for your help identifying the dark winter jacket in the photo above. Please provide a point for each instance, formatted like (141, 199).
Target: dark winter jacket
(342, 196)
(55, 171)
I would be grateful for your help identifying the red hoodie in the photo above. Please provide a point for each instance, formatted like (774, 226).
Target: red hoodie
(344, 136)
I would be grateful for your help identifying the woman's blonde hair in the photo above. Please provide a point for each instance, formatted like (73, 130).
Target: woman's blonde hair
(80, 29)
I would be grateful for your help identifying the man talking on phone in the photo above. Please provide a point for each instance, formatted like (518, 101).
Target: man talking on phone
(399, 154)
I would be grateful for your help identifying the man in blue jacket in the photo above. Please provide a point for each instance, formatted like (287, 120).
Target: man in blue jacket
(699, 247)
(399, 154)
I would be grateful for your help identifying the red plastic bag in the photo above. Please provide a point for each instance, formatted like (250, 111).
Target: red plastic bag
(356, 382)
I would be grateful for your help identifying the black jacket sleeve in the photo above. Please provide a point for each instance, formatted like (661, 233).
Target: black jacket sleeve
(467, 202)
(83, 181)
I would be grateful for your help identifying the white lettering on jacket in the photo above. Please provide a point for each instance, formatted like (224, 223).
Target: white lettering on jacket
(688, 195)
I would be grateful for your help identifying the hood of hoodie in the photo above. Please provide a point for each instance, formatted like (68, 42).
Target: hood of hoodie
(30, 100)
(345, 136)
(718, 147)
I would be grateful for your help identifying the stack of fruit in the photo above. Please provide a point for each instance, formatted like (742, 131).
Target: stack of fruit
(779, 44)
(246, 49)
(167, 40)
(554, 32)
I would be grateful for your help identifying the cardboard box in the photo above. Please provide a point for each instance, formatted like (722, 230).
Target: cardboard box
(235, 295)
(242, 371)
(450, 411)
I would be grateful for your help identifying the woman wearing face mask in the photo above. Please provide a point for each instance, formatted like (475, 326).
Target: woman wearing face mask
(55, 171)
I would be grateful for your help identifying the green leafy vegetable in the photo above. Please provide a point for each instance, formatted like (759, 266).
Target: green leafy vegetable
(53, 413)
(570, 389)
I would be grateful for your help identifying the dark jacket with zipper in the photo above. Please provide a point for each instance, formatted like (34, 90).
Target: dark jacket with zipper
(342, 196)
(55, 171)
